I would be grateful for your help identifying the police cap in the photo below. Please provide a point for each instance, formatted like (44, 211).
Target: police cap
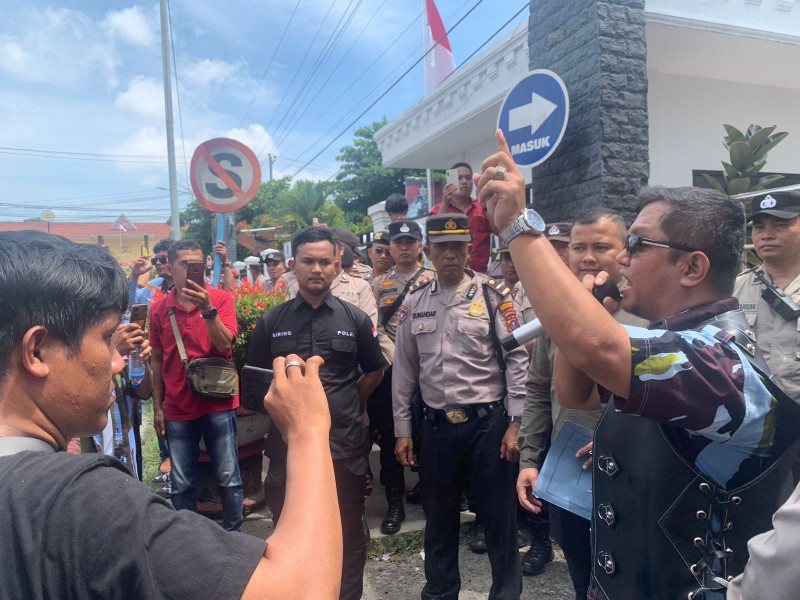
(404, 228)
(449, 227)
(784, 205)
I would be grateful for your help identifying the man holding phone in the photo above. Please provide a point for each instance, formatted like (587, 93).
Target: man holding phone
(163, 282)
(206, 321)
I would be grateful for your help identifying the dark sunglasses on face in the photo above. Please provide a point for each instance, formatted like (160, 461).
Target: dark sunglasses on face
(381, 251)
(634, 243)
(158, 259)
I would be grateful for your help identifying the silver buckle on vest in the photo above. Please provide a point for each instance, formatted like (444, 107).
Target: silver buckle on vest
(606, 513)
(606, 561)
(608, 465)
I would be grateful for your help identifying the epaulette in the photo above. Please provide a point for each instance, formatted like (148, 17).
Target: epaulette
(499, 287)
(420, 283)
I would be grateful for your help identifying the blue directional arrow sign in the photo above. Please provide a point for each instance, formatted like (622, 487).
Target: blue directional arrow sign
(534, 116)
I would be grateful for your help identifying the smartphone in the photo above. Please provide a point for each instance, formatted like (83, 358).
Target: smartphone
(139, 314)
(196, 271)
(255, 384)
(452, 176)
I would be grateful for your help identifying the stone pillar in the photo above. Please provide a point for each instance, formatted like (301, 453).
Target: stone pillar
(598, 48)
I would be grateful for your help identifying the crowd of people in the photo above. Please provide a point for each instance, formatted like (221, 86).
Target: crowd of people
(688, 378)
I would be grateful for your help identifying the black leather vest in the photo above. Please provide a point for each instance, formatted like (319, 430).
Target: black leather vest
(661, 529)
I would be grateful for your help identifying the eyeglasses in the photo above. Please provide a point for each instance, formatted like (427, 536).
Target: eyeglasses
(633, 244)
(158, 260)
(380, 251)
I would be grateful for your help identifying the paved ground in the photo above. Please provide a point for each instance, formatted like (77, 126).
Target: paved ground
(403, 578)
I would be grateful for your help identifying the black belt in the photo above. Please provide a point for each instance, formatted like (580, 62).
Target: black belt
(461, 414)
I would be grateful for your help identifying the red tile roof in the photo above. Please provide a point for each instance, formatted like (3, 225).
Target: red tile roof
(86, 231)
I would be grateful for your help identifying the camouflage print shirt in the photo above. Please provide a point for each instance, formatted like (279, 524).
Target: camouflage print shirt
(719, 411)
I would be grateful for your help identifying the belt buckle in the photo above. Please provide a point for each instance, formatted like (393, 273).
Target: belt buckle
(456, 416)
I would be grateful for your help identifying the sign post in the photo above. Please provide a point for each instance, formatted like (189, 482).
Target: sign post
(225, 177)
(533, 117)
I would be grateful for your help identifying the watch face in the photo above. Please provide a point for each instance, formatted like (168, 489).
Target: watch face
(534, 220)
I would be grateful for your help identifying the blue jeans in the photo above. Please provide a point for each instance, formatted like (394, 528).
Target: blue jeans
(218, 430)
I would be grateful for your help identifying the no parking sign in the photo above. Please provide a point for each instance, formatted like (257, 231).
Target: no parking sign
(225, 175)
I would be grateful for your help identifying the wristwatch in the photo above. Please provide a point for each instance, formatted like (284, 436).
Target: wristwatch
(529, 221)
(515, 419)
(212, 314)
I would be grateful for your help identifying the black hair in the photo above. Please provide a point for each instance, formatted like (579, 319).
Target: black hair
(598, 214)
(396, 204)
(162, 246)
(705, 220)
(311, 235)
(47, 280)
(462, 164)
(176, 247)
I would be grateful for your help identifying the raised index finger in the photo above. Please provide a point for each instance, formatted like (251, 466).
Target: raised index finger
(502, 145)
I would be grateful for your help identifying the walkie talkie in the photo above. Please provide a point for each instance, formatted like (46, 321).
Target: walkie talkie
(777, 298)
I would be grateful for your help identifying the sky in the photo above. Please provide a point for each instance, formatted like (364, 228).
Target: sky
(82, 126)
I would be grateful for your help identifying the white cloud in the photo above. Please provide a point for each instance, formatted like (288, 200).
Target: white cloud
(144, 97)
(132, 25)
(206, 72)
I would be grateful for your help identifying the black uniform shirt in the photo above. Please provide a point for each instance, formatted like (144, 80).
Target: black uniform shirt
(343, 335)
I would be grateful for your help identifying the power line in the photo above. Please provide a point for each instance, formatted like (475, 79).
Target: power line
(177, 88)
(391, 87)
(269, 66)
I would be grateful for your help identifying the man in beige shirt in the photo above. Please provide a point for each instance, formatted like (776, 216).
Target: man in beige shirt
(776, 238)
(391, 289)
(353, 289)
(597, 236)
(447, 346)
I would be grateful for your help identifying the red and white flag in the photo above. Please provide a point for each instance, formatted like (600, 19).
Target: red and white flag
(440, 62)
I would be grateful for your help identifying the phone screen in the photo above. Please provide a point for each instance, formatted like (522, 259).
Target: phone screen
(255, 384)
(139, 314)
(195, 271)
(452, 176)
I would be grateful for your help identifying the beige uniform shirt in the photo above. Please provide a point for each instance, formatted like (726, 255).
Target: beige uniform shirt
(387, 287)
(288, 283)
(524, 307)
(778, 338)
(363, 271)
(542, 416)
(445, 350)
(357, 292)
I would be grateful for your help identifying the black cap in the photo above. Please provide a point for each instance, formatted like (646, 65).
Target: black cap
(449, 227)
(272, 254)
(348, 238)
(404, 228)
(558, 232)
(380, 237)
(784, 205)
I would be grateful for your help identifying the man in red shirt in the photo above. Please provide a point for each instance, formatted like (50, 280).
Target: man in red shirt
(206, 320)
(458, 199)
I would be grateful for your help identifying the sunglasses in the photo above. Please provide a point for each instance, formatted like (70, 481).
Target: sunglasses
(634, 243)
(158, 260)
(380, 251)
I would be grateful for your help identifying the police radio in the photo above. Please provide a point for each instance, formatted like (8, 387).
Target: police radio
(777, 298)
(530, 331)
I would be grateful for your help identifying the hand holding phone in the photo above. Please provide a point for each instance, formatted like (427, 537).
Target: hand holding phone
(196, 271)
(452, 176)
(255, 384)
(139, 315)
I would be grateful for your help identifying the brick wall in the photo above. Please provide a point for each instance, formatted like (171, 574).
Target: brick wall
(598, 48)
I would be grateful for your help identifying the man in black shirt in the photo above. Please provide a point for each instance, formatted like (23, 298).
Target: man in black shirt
(317, 323)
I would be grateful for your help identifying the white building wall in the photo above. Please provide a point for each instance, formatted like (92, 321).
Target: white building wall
(686, 118)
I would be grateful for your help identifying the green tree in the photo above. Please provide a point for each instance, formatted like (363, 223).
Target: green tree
(362, 179)
(307, 200)
(33, 220)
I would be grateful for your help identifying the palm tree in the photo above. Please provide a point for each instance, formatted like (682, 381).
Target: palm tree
(305, 200)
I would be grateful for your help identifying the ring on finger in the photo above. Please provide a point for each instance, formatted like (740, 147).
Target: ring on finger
(500, 172)
(293, 363)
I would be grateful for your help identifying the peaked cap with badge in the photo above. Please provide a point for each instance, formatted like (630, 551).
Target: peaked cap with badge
(448, 227)
(783, 205)
(558, 232)
(404, 228)
(380, 237)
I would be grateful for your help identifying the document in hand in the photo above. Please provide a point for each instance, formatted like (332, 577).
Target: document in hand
(562, 480)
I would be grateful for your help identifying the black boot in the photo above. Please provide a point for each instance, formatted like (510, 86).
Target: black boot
(540, 553)
(414, 495)
(396, 513)
(477, 538)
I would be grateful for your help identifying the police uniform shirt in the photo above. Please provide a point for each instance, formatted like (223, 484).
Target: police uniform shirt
(524, 308)
(363, 271)
(357, 292)
(387, 287)
(445, 349)
(778, 338)
(345, 338)
(287, 283)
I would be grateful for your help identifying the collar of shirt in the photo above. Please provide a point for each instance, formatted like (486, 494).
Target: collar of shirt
(692, 317)
(298, 302)
(172, 301)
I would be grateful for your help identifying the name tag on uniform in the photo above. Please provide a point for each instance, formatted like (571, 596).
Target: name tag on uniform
(476, 309)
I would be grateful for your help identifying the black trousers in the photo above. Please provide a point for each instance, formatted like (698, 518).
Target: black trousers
(351, 482)
(381, 424)
(573, 534)
(455, 456)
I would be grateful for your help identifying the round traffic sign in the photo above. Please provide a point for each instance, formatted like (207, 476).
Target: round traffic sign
(48, 215)
(533, 117)
(225, 175)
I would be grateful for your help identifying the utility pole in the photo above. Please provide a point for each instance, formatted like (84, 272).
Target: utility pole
(428, 178)
(271, 159)
(173, 178)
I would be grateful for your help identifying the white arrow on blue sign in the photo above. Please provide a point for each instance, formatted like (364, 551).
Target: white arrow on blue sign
(533, 117)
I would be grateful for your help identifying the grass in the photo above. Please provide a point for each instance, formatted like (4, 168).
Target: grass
(151, 460)
(400, 546)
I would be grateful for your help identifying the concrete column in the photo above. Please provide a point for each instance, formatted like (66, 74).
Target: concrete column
(598, 48)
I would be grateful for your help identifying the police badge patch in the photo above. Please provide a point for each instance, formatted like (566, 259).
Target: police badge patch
(402, 314)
